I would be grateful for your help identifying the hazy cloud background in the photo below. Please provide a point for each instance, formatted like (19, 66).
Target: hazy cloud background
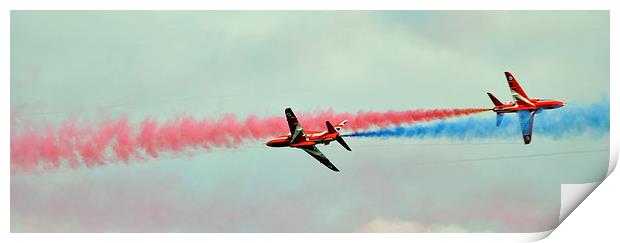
(162, 64)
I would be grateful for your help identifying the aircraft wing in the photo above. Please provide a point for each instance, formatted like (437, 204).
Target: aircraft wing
(297, 132)
(516, 91)
(526, 119)
(316, 153)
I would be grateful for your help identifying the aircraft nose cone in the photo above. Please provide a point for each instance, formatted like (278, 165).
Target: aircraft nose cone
(270, 143)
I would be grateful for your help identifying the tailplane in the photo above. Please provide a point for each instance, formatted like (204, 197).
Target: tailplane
(330, 128)
(495, 101)
(499, 118)
(340, 140)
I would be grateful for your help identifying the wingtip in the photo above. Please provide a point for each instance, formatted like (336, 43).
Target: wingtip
(333, 168)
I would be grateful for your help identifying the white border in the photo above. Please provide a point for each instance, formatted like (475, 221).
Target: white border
(314, 5)
(596, 219)
(614, 97)
(282, 4)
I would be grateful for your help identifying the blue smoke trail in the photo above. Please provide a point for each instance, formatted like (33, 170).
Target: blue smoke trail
(558, 123)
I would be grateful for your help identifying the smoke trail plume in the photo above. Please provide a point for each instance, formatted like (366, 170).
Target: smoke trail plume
(93, 144)
(558, 123)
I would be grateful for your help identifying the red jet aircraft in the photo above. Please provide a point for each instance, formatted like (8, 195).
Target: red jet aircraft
(526, 107)
(306, 140)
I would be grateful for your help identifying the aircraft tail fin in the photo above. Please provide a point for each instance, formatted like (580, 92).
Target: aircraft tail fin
(339, 138)
(495, 101)
(340, 125)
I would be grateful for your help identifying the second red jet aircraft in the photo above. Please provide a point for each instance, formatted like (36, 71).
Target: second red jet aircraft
(306, 140)
(523, 105)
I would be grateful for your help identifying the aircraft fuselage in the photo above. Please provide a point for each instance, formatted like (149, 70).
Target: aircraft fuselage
(537, 104)
(523, 105)
(313, 138)
(307, 140)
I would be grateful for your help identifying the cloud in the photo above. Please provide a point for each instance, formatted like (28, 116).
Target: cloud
(358, 61)
(380, 225)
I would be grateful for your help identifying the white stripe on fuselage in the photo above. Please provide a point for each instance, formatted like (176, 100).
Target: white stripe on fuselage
(318, 134)
(516, 95)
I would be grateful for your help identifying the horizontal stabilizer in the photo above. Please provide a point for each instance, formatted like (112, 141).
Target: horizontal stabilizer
(499, 118)
(495, 101)
(341, 141)
(330, 128)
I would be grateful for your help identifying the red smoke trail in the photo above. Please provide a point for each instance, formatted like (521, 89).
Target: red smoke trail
(117, 140)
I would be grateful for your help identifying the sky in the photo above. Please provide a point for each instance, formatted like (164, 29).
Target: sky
(94, 65)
